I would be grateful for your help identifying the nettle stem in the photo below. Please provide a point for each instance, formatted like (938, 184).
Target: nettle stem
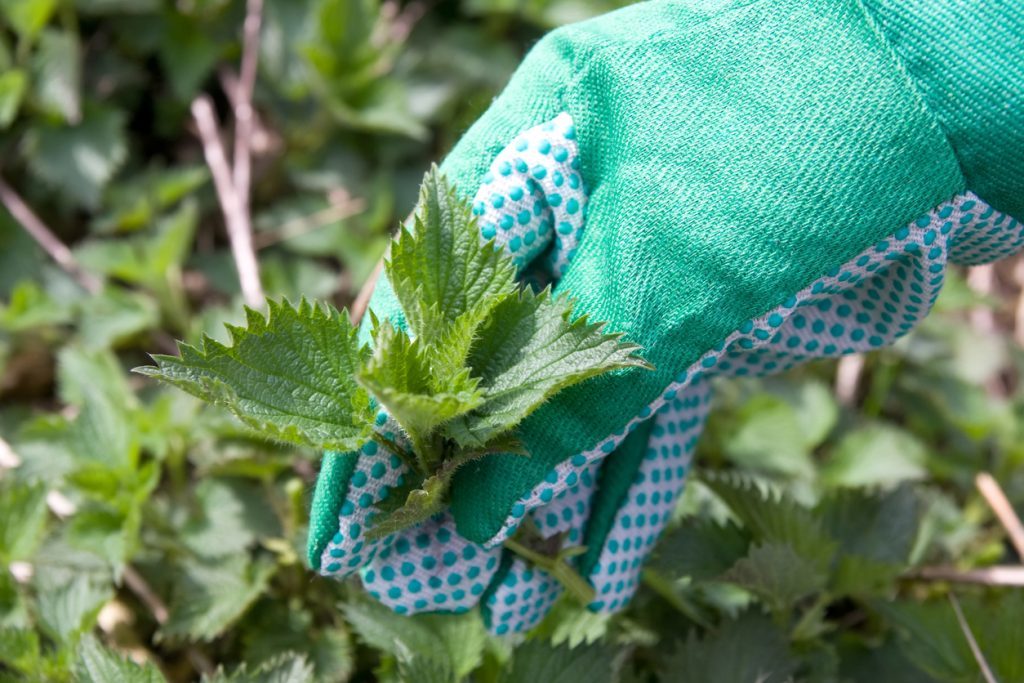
(559, 568)
(549, 555)
(434, 459)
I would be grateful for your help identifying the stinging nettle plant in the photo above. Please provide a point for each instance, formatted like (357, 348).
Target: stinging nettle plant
(478, 354)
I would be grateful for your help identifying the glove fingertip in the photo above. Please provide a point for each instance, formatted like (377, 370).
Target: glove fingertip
(328, 497)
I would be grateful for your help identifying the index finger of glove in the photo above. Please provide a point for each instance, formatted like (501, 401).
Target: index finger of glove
(348, 489)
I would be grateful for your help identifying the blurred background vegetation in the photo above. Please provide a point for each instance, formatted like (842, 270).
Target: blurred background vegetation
(144, 537)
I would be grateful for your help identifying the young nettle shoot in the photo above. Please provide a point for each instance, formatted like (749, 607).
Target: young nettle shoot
(474, 356)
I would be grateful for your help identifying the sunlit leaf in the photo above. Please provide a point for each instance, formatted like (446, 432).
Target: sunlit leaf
(291, 375)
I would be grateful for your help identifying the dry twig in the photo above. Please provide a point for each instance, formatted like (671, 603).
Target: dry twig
(244, 114)
(233, 181)
(1018, 328)
(1000, 504)
(45, 238)
(304, 225)
(145, 594)
(358, 307)
(982, 279)
(848, 374)
(979, 656)
(986, 576)
(158, 608)
(236, 212)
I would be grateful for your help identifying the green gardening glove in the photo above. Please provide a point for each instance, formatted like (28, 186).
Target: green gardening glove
(738, 187)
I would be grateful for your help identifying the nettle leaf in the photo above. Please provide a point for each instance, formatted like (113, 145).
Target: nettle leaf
(23, 511)
(290, 375)
(210, 597)
(19, 649)
(69, 608)
(27, 17)
(750, 648)
(79, 160)
(875, 455)
(57, 71)
(421, 502)
(399, 375)
(464, 639)
(13, 85)
(430, 647)
(539, 661)
(770, 517)
(529, 349)
(233, 515)
(415, 666)
(96, 664)
(145, 258)
(573, 624)
(934, 640)
(479, 356)
(445, 278)
(699, 548)
(103, 434)
(278, 630)
(286, 668)
(876, 533)
(777, 574)
(382, 629)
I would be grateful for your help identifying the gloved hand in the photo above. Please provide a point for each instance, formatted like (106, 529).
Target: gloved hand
(738, 187)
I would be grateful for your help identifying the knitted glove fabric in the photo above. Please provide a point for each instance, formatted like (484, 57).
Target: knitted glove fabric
(764, 182)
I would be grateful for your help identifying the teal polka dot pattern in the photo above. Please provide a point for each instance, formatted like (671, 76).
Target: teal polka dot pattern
(522, 598)
(377, 472)
(430, 567)
(533, 201)
(866, 303)
(991, 236)
(651, 497)
(567, 513)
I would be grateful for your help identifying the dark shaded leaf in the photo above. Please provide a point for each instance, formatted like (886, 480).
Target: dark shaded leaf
(746, 650)
(539, 661)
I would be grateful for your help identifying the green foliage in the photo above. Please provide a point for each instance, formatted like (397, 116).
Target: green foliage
(289, 375)
(439, 647)
(286, 668)
(538, 661)
(485, 356)
(79, 159)
(211, 596)
(446, 280)
(749, 648)
(400, 375)
(794, 554)
(23, 509)
(98, 665)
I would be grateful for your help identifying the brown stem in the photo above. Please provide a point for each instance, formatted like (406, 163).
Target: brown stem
(359, 306)
(244, 114)
(1007, 516)
(979, 656)
(986, 576)
(304, 225)
(45, 238)
(158, 608)
(236, 211)
(848, 374)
